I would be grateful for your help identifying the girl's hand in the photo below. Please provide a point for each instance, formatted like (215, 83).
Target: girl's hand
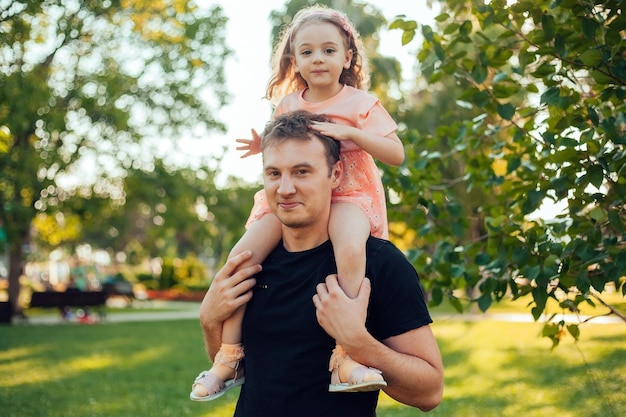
(251, 146)
(334, 130)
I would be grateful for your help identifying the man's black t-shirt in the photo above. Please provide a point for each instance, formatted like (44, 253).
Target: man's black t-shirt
(287, 351)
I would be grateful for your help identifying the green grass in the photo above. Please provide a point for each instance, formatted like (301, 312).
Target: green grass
(146, 369)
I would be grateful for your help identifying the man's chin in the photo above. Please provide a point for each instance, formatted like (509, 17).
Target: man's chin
(292, 222)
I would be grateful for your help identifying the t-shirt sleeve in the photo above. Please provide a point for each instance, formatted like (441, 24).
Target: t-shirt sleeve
(397, 303)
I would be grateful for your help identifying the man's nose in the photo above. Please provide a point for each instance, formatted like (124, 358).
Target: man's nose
(286, 185)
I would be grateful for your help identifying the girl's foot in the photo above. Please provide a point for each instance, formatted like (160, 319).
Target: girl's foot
(226, 373)
(351, 376)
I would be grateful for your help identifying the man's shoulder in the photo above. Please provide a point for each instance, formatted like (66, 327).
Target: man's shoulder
(375, 244)
(381, 252)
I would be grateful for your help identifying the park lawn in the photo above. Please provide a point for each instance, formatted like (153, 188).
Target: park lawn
(141, 369)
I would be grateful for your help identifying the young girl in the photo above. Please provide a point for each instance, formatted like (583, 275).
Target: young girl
(319, 66)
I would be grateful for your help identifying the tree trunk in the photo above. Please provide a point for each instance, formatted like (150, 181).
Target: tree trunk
(16, 269)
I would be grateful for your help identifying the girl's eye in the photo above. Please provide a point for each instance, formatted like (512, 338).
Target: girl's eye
(305, 53)
(329, 50)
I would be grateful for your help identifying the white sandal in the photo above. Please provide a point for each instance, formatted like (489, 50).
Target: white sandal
(362, 378)
(230, 356)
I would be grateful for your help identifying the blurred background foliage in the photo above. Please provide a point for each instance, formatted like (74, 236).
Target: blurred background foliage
(514, 106)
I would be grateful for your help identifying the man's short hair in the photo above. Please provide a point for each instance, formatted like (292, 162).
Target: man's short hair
(297, 125)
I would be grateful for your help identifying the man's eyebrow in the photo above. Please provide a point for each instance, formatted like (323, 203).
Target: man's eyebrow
(297, 166)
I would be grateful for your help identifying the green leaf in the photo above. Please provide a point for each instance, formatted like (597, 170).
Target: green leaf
(592, 57)
(564, 155)
(436, 296)
(533, 200)
(403, 24)
(484, 302)
(457, 271)
(455, 210)
(619, 23)
(593, 116)
(451, 28)
(597, 214)
(506, 111)
(595, 175)
(616, 221)
(544, 70)
(407, 36)
(573, 330)
(479, 73)
(601, 77)
(559, 45)
(549, 330)
(466, 28)
(442, 17)
(550, 95)
(482, 259)
(531, 272)
(503, 90)
(547, 24)
(396, 24)
(455, 303)
(589, 27)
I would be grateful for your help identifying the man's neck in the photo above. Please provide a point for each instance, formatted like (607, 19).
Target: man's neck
(302, 239)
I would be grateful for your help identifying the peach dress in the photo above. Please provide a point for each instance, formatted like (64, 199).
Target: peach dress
(361, 184)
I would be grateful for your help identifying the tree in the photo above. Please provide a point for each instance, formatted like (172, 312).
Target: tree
(541, 88)
(87, 82)
(167, 211)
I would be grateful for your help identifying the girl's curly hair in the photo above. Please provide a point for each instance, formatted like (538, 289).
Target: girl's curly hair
(285, 79)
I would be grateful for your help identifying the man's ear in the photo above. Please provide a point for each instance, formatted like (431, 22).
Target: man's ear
(336, 174)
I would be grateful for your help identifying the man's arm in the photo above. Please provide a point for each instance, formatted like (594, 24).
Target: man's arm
(229, 290)
(411, 362)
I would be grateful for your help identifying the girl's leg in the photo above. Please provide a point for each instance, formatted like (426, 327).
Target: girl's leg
(349, 229)
(261, 238)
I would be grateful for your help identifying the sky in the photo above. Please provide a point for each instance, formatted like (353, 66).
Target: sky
(247, 72)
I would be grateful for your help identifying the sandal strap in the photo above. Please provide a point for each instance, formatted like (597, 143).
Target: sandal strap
(337, 358)
(363, 374)
(229, 355)
(210, 382)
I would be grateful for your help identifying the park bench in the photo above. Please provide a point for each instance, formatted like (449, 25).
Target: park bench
(119, 288)
(78, 299)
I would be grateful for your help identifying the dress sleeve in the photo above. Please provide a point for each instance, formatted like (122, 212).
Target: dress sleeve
(376, 119)
(280, 109)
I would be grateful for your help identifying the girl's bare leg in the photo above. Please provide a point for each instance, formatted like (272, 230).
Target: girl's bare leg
(349, 229)
(261, 238)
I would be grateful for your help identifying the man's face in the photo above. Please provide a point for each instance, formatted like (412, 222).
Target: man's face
(298, 182)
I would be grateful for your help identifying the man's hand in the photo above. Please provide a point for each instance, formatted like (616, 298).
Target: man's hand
(251, 146)
(230, 289)
(342, 317)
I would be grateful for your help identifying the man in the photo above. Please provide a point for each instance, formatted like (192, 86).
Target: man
(298, 309)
